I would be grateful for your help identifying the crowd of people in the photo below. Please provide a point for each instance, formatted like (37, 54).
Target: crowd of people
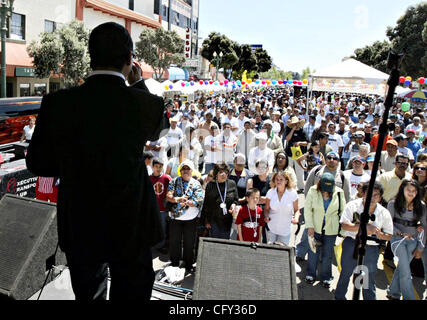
(233, 165)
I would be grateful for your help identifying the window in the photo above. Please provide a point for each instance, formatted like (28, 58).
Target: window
(176, 18)
(39, 89)
(24, 90)
(131, 5)
(49, 26)
(17, 27)
(165, 13)
(156, 6)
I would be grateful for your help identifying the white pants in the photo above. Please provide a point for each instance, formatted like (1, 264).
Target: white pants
(299, 172)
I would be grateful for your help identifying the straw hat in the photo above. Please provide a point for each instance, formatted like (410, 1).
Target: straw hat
(295, 121)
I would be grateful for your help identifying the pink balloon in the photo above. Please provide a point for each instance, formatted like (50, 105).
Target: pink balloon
(226, 81)
(182, 84)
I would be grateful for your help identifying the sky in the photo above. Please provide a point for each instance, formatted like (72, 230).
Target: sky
(301, 34)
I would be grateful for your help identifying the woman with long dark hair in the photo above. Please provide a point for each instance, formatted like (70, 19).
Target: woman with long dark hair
(313, 157)
(282, 164)
(419, 173)
(408, 211)
(221, 198)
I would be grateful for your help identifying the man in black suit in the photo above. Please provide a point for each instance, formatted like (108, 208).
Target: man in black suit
(92, 137)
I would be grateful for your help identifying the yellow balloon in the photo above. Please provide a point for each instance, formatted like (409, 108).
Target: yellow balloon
(166, 87)
(249, 81)
(409, 78)
(305, 81)
(211, 92)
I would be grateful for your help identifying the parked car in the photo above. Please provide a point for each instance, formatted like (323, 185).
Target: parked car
(14, 115)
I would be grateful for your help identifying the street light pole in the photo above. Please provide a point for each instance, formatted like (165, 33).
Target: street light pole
(5, 11)
(217, 59)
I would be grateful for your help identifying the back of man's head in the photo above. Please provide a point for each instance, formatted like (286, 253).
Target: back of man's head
(109, 46)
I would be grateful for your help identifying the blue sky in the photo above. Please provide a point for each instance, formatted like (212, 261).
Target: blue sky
(300, 34)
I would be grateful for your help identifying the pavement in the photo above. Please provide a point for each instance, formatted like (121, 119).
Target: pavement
(60, 288)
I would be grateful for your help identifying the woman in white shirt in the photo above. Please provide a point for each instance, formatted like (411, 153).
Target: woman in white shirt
(281, 208)
(28, 130)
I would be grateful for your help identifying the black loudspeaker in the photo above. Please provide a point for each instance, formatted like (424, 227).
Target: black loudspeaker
(28, 243)
(236, 270)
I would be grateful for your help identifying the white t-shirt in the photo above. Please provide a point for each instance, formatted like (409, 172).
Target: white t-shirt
(211, 157)
(173, 136)
(28, 132)
(406, 151)
(382, 221)
(355, 180)
(233, 122)
(335, 141)
(276, 127)
(281, 212)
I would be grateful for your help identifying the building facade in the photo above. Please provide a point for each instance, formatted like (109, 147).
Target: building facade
(30, 18)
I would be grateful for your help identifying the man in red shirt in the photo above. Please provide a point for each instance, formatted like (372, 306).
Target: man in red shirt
(160, 183)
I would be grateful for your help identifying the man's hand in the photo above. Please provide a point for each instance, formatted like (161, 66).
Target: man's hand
(135, 73)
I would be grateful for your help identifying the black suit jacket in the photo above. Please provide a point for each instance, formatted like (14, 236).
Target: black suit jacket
(92, 137)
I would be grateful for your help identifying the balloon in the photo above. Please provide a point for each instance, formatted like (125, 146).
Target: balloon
(268, 82)
(299, 83)
(263, 82)
(170, 86)
(192, 83)
(294, 82)
(409, 78)
(243, 83)
(280, 82)
(187, 84)
(274, 82)
(221, 83)
(422, 80)
(402, 79)
(247, 86)
(407, 82)
(406, 106)
(249, 81)
(206, 82)
(210, 92)
(238, 82)
(166, 88)
(182, 84)
(210, 82)
(289, 81)
(226, 81)
(257, 82)
(305, 81)
(216, 83)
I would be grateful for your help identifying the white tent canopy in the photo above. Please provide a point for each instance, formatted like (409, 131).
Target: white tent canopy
(350, 76)
(154, 87)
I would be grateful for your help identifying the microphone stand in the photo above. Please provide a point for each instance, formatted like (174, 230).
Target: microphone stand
(393, 64)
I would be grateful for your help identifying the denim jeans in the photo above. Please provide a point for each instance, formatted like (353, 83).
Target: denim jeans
(219, 233)
(302, 247)
(402, 279)
(424, 258)
(163, 217)
(327, 250)
(348, 263)
(272, 237)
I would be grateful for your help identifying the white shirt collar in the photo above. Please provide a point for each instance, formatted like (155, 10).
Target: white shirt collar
(108, 72)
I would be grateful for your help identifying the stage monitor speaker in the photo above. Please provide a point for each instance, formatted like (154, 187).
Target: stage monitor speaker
(236, 270)
(28, 241)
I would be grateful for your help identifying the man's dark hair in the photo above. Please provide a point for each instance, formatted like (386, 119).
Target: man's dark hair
(377, 186)
(109, 46)
(323, 135)
(402, 156)
(148, 155)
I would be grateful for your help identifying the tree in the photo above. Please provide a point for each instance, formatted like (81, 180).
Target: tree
(63, 52)
(305, 73)
(264, 61)
(217, 42)
(374, 55)
(160, 49)
(409, 36)
(247, 60)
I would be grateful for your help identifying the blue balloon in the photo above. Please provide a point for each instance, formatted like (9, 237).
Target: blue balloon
(192, 83)
(407, 82)
(234, 86)
(290, 81)
(206, 82)
(257, 82)
(274, 82)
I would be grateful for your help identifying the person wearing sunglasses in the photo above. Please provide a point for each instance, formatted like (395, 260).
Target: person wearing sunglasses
(391, 180)
(419, 173)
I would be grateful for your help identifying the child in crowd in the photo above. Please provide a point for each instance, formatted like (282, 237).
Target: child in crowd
(250, 219)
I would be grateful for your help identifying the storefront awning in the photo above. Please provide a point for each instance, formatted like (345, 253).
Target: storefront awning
(16, 56)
